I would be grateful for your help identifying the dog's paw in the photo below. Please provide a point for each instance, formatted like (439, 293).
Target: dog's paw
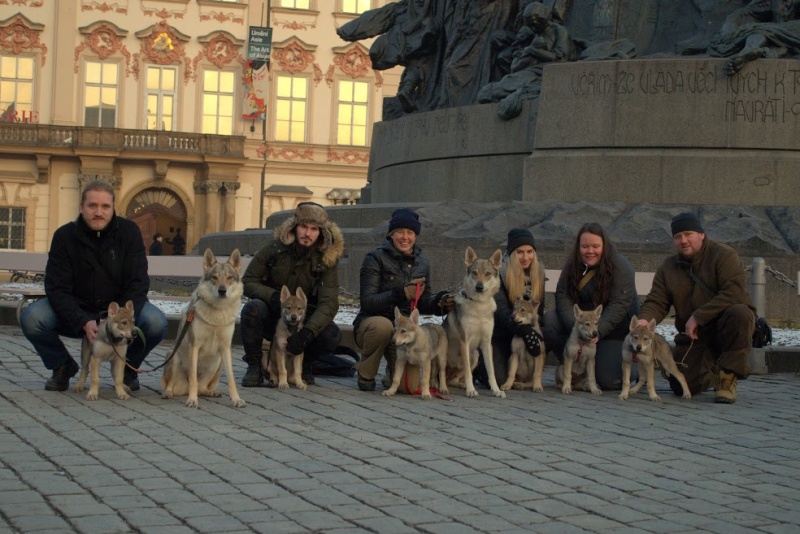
(283, 385)
(687, 395)
(302, 385)
(471, 393)
(389, 392)
(92, 396)
(237, 403)
(499, 394)
(596, 391)
(623, 396)
(123, 395)
(77, 388)
(566, 389)
(426, 395)
(167, 394)
(538, 388)
(655, 398)
(191, 402)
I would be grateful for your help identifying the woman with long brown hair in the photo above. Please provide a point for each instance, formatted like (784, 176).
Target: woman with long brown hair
(595, 273)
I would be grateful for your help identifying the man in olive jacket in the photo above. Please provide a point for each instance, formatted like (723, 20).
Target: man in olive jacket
(705, 283)
(93, 261)
(305, 253)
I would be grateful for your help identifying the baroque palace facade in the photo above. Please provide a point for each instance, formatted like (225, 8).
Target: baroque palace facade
(150, 94)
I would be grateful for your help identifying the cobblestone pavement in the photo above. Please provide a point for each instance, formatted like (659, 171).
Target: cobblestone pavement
(337, 460)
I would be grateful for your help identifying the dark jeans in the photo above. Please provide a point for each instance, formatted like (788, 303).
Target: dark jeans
(258, 324)
(43, 329)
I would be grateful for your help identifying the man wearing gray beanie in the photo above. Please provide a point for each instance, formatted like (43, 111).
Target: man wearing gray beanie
(705, 283)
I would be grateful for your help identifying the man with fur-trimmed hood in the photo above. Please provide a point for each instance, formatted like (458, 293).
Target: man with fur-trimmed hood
(304, 252)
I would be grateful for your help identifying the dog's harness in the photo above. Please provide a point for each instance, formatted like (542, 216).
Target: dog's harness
(580, 351)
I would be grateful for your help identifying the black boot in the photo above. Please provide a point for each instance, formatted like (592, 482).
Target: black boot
(254, 377)
(61, 375)
(131, 379)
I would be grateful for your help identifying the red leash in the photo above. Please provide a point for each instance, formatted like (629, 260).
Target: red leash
(417, 293)
(434, 391)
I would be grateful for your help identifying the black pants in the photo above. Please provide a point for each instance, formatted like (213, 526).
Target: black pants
(258, 324)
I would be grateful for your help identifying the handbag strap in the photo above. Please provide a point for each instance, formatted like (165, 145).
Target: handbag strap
(585, 280)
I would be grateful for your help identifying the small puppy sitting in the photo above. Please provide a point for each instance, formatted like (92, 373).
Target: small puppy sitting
(279, 363)
(423, 345)
(579, 353)
(644, 347)
(110, 345)
(524, 370)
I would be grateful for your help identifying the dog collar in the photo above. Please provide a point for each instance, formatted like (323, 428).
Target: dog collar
(635, 357)
(464, 294)
(115, 340)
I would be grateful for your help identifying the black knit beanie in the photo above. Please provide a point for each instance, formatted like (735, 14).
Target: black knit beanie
(518, 237)
(405, 218)
(686, 222)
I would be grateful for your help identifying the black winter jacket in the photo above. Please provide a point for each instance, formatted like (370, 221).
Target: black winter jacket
(78, 288)
(383, 274)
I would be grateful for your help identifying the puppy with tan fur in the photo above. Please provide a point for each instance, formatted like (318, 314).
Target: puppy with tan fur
(525, 370)
(578, 368)
(278, 362)
(423, 345)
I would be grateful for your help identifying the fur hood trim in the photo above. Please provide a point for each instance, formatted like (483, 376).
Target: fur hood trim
(331, 242)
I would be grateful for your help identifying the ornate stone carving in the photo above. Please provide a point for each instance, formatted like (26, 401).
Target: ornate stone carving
(293, 55)
(350, 157)
(105, 40)
(221, 48)
(160, 168)
(353, 60)
(105, 7)
(290, 153)
(19, 34)
(231, 187)
(43, 165)
(163, 45)
(294, 25)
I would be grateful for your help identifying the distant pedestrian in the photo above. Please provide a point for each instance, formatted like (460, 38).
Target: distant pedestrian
(178, 243)
(156, 247)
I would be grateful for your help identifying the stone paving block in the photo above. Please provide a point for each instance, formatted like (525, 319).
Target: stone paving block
(79, 505)
(36, 507)
(216, 523)
(389, 525)
(36, 523)
(110, 524)
(326, 497)
(159, 483)
(553, 508)
(279, 527)
(319, 520)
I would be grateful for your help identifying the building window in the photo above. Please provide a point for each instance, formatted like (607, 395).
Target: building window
(218, 102)
(356, 6)
(100, 100)
(160, 97)
(16, 85)
(295, 4)
(352, 113)
(290, 109)
(12, 228)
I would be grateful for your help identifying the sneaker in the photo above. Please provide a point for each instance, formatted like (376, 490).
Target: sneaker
(60, 379)
(253, 377)
(131, 380)
(725, 392)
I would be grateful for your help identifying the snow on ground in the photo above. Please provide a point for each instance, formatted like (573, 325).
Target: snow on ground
(781, 337)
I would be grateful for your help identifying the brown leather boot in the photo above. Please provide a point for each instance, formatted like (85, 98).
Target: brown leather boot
(725, 392)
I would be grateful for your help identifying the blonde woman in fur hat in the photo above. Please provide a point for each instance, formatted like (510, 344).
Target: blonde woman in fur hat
(304, 252)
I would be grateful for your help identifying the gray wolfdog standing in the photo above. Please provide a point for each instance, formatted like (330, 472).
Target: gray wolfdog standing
(469, 327)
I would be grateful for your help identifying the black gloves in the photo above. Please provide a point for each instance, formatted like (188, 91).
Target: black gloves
(297, 342)
(531, 338)
(274, 304)
(445, 301)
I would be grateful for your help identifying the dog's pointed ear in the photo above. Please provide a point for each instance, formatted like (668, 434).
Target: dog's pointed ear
(469, 256)
(285, 293)
(415, 316)
(397, 313)
(299, 293)
(129, 306)
(113, 309)
(634, 323)
(235, 259)
(496, 259)
(652, 326)
(576, 309)
(599, 309)
(209, 260)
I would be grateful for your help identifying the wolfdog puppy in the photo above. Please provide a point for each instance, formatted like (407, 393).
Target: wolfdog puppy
(211, 314)
(521, 365)
(469, 327)
(110, 345)
(643, 346)
(424, 345)
(280, 363)
(579, 352)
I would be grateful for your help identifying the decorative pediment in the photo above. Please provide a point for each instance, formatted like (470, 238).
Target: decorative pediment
(219, 48)
(293, 55)
(104, 39)
(18, 34)
(162, 44)
(354, 61)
